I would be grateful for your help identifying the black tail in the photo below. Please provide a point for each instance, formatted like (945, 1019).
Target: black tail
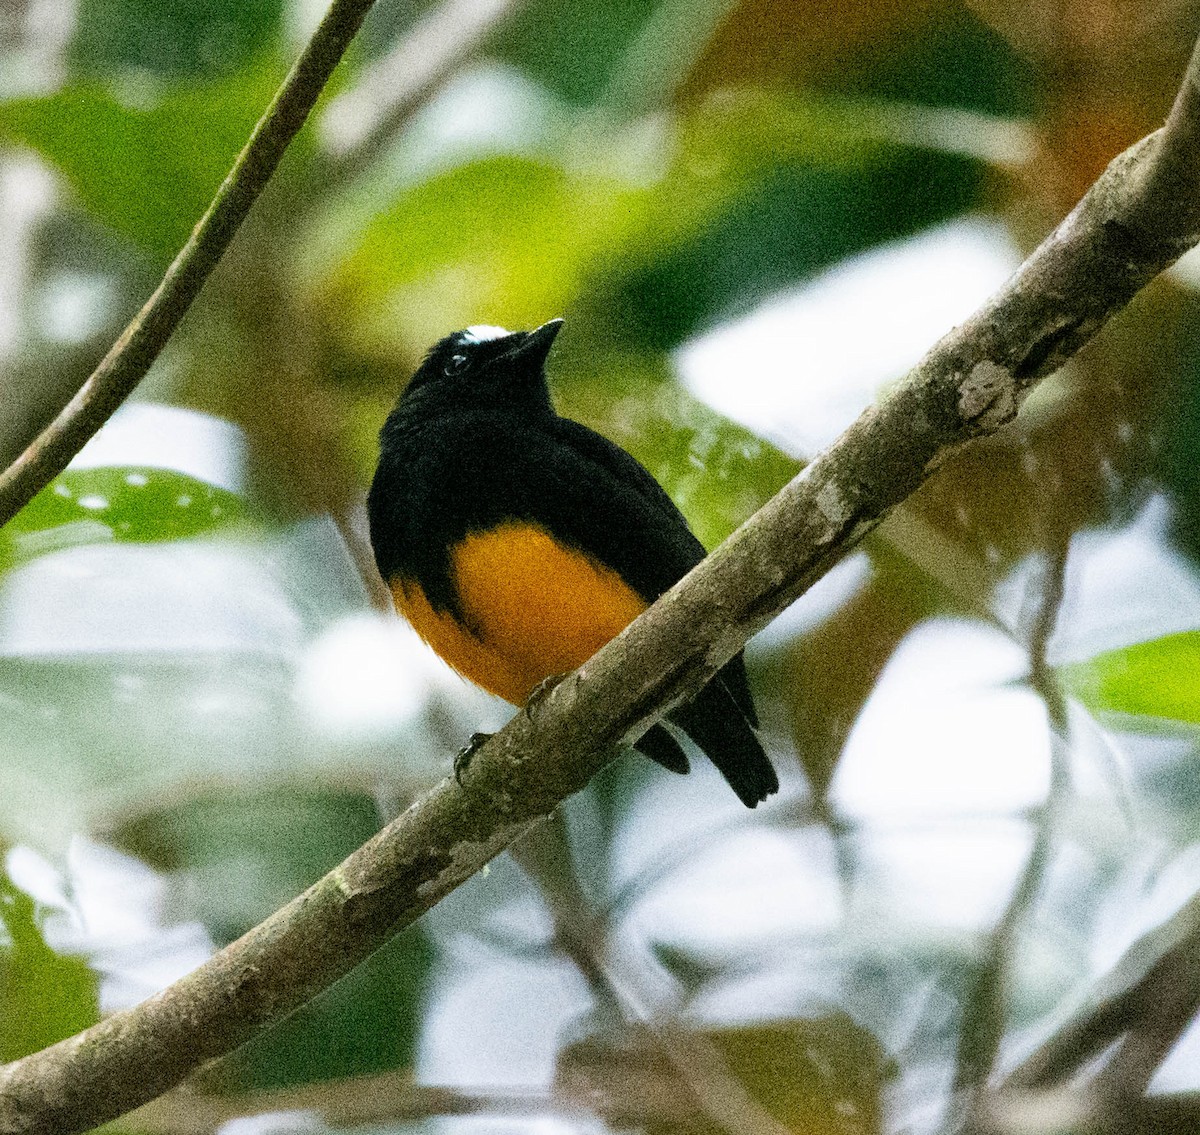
(715, 721)
(658, 744)
(734, 673)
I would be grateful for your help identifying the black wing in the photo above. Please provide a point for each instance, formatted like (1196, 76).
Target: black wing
(629, 522)
(722, 717)
(624, 466)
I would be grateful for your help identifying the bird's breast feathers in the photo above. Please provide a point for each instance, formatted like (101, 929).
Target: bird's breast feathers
(532, 606)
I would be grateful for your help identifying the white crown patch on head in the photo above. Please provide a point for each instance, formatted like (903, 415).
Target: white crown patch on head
(482, 332)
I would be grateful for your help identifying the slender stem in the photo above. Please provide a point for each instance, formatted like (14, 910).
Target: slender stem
(359, 124)
(1157, 963)
(132, 355)
(985, 1010)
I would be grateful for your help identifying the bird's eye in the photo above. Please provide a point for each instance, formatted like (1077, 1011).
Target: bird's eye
(456, 364)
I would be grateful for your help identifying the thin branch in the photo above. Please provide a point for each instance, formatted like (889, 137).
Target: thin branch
(545, 857)
(132, 355)
(1176, 1112)
(1146, 971)
(359, 124)
(1062, 1109)
(1164, 1016)
(985, 1011)
(351, 523)
(969, 385)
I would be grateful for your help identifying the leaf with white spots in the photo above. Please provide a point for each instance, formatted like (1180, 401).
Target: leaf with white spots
(123, 504)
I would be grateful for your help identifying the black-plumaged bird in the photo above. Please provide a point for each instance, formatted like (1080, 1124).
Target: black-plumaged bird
(518, 542)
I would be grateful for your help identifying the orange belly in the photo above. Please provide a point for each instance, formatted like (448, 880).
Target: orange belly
(533, 608)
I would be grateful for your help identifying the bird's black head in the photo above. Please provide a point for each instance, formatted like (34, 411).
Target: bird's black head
(482, 366)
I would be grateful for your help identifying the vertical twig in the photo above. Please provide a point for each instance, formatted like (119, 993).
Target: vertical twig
(985, 1009)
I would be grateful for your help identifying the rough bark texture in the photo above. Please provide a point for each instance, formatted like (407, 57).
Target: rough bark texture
(1141, 214)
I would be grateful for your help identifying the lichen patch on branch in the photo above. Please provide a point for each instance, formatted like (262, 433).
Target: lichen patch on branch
(987, 397)
(832, 505)
(723, 648)
(468, 856)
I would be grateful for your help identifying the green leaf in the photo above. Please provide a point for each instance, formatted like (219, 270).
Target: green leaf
(819, 1076)
(571, 48)
(1177, 467)
(717, 472)
(1160, 678)
(44, 996)
(956, 59)
(790, 223)
(131, 504)
(147, 165)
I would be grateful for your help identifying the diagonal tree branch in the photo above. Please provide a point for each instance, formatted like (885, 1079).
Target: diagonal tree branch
(1157, 967)
(360, 123)
(1136, 1012)
(1141, 214)
(132, 355)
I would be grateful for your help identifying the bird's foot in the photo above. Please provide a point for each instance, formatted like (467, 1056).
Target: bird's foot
(540, 691)
(463, 759)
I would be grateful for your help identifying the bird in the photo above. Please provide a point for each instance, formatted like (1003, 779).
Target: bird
(517, 542)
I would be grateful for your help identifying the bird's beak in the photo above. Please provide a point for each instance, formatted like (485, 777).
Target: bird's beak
(535, 345)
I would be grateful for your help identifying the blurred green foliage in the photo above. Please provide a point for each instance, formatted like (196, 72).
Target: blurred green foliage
(244, 854)
(790, 223)
(755, 190)
(147, 164)
(172, 39)
(823, 1076)
(285, 840)
(1179, 462)
(654, 172)
(958, 61)
(572, 49)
